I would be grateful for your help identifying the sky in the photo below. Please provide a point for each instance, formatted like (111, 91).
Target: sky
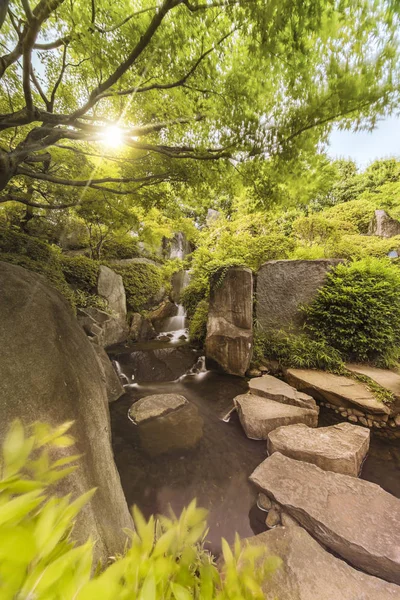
(365, 147)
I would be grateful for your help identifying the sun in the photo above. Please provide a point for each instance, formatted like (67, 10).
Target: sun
(113, 136)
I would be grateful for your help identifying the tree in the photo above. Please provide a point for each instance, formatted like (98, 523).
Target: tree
(177, 82)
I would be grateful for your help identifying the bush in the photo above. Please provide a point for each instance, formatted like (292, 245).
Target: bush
(51, 272)
(14, 242)
(165, 558)
(119, 249)
(80, 272)
(198, 323)
(142, 282)
(297, 351)
(357, 311)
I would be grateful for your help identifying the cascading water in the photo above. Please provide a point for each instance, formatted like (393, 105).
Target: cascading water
(175, 327)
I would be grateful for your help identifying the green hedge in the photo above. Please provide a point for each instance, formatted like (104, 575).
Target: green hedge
(14, 242)
(81, 272)
(120, 249)
(142, 282)
(357, 311)
(52, 273)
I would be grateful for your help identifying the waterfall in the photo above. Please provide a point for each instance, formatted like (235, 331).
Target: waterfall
(124, 379)
(175, 327)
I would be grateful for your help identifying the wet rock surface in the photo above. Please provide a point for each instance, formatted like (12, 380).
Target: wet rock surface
(152, 407)
(308, 572)
(166, 423)
(356, 519)
(110, 378)
(340, 448)
(280, 391)
(259, 416)
(229, 340)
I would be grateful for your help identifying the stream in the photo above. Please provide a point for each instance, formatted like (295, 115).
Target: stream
(216, 471)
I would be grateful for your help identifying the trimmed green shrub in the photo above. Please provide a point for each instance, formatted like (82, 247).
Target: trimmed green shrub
(198, 323)
(297, 350)
(51, 272)
(165, 558)
(80, 272)
(357, 311)
(14, 242)
(85, 300)
(142, 282)
(115, 249)
(197, 290)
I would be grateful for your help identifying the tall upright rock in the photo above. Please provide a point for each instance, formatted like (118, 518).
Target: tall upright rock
(383, 225)
(49, 372)
(229, 341)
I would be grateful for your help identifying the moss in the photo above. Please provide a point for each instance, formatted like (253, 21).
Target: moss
(380, 393)
(198, 323)
(80, 272)
(142, 282)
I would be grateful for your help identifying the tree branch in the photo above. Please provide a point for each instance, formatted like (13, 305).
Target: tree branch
(167, 86)
(40, 13)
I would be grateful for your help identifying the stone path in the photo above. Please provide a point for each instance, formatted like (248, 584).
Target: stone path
(356, 519)
(336, 389)
(276, 389)
(309, 572)
(259, 416)
(340, 448)
(309, 482)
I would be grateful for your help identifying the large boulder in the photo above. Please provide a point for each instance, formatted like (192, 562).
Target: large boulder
(383, 225)
(160, 316)
(356, 519)
(166, 423)
(280, 391)
(336, 389)
(110, 286)
(141, 329)
(229, 340)
(103, 328)
(340, 448)
(109, 375)
(49, 372)
(283, 286)
(308, 572)
(259, 416)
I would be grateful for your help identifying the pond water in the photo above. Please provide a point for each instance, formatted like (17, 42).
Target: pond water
(215, 472)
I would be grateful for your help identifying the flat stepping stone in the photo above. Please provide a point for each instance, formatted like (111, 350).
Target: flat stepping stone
(356, 519)
(152, 407)
(340, 448)
(383, 377)
(166, 422)
(335, 389)
(259, 416)
(276, 389)
(308, 572)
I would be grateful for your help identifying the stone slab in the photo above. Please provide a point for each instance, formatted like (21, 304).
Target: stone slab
(356, 519)
(308, 572)
(157, 405)
(280, 391)
(335, 389)
(259, 416)
(383, 377)
(340, 448)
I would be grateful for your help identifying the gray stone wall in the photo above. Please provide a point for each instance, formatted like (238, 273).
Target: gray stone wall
(282, 286)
